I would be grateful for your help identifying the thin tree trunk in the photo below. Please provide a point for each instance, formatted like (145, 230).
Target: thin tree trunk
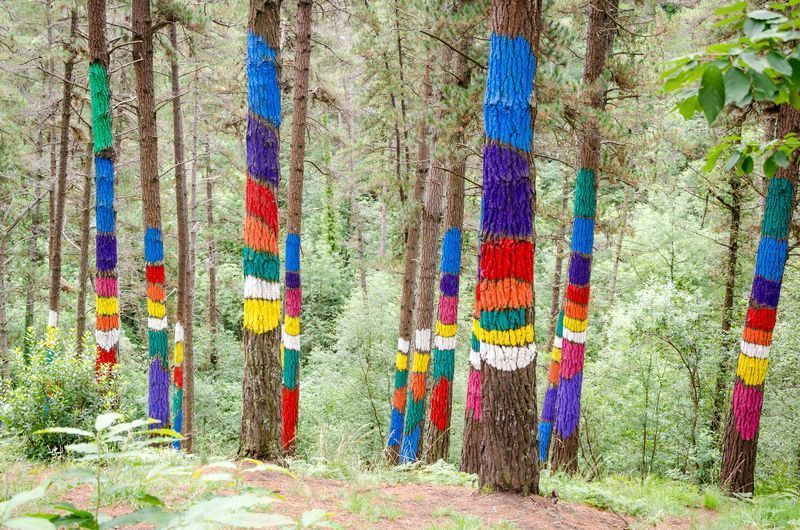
(723, 368)
(599, 43)
(34, 255)
(83, 274)
(183, 324)
(51, 67)
(395, 438)
(294, 295)
(551, 394)
(505, 291)
(61, 187)
(741, 436)
(623, 224)
(106, 289)
(151, 206)
(438, 431)
(261, 409)
(558, 265)
(212, 262)
(5, 368)
(188, 362)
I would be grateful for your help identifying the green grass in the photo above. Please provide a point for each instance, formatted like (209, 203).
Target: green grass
(458, 521)
(368, 506)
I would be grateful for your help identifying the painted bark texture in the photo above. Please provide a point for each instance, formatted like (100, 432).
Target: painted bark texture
(61, 184)
(183, 322)
(106, 294)
(290, 349)
(505, 289)
(158, 398)
(741, 435)
(397, 420)
(260, 435)
(599, 43)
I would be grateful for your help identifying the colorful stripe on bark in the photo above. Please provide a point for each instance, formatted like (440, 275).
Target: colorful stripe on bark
(549, 406)
(107, 303)
(260, 253)
(290, 345)
(415, 410)
(177, 379)
(748, 391)
(576, 307)
(399, 400)
(444, 345)
(156, 326)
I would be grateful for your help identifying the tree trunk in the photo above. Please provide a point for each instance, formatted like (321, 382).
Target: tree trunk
(106, 301)
(61, 186)
(151, 206)
(558, 266)
(599, 43)
(212, 263)
(395, 438)
(5, 368)
(83, 274)
(505, 291)
(723, 368)
(261, 408)
(550, 395)
(51, 68)
(294, 295)
(183, 323)
(444, 349)
(623, 224)
(741, 436)
(34, 255)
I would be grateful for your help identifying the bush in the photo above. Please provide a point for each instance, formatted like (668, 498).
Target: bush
(56, 387)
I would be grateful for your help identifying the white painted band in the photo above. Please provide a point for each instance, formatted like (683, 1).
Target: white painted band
(157, 324)
(575, 338)
(178, 332)
(291, 342)
(475, 359)
(403, 345)
(508, 358)
(261, 289)
(52, 319)
(445, 343)
(423, 340)
(557, 342)
(755, 350)
(107, 339)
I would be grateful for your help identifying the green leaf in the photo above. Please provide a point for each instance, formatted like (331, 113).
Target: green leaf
(732, 160)
(754, 61)
(779, 63)
(84, 448)
(737, 86)
(104, 421)
(781, 159)
(747, 165)
(29, 523)
(764, 88)
(770, 167)
(152, 500)
(688, 107)
(733, 8)
(754, 28)
(65, 430)
(763, 14)
(711, 95)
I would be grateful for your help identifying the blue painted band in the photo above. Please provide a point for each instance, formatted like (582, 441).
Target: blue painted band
(582, 235)
(292, 252)
(263, 92)
(451, 251)
(771, 258)
(153, 246)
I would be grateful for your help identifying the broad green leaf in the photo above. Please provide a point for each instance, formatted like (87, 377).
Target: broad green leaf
(733, 8)
(104, 421)
(29, 523)
(770, 167)
(732, 160)
(688, 106)
(737, 86)
(779, 63)
(165, 432)
(152, 500)
(747, 165)
(754, 61)
(84, 448)
(754, 28)
(764, 88)
(65, 430)
(781, 159)
(314, 518)
(763, 14)
(711, 95)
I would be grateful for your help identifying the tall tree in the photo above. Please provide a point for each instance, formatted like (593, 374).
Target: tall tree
(741, 435)
(83, 270)
(261, 409)
(424, 299)
(294, 294)
(396, 424)
(212, 261)
(444, 348)
(549, 405)
(183, 320)
(505, 300)
(61, 185)
(151, 206)
(106, 302)
(599, 42)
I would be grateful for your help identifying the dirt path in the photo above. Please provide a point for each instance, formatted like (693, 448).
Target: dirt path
(420, 506)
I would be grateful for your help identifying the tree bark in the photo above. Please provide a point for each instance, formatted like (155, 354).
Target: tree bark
(393, 445)
(294, 295)
(741, 435)
(623, 224)
(151, 206)
(106, 289)
(183, 323)
(34, 255)
(599, 44)
(558, 266)
(212, 262)
(5, 368)
(188, 361)
(261, 408)
(83, 272)
(61, 185)
(505, 291)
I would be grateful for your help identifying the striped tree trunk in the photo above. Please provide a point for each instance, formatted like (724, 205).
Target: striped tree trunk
(741, 435)
(395, 438)
(505, 301)
(158, 397)
(549, 406)
(599, 43)
(290, 346)
(261, 409)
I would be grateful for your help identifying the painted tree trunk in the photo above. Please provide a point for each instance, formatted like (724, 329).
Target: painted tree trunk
(106, 296)
(741, 435)
(261, 415)
(61, 186)
(158, 384)
(550, 395)
(83, 268)
(599, 41)
(558, 266)
(290, 346)
(505, 301)
(424, 299)
(183, 323)
(397, 420)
